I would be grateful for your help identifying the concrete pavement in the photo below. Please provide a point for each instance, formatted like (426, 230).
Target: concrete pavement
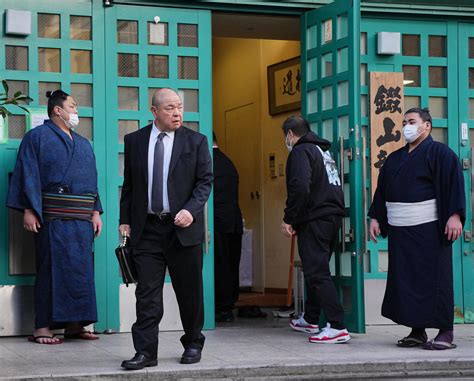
(251, 349)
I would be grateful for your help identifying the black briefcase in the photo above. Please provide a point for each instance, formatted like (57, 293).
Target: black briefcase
(126, 263)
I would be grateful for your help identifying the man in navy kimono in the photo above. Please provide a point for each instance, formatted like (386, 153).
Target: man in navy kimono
(420, 205)
(54, 184)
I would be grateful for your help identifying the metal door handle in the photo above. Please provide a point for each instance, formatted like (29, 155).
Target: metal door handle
(364, 188)
(252, 196)
(257, 195)
(207, 234)
(341, 173)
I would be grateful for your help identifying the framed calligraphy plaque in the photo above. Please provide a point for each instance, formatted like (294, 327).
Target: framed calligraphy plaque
(284, 86)
(386, 117)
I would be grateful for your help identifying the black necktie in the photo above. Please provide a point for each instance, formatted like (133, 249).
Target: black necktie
(157, 184)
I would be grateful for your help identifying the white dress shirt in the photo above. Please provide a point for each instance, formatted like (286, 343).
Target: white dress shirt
(168, 141)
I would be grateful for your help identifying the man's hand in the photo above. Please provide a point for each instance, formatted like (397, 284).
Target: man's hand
(287, 229)
(374, 229)
(183, 218)
(31, 221)
(96, 223)
(453, 227)
(124, 230)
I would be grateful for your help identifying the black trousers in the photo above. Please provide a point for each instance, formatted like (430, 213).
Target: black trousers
(158, 249)
(316, 240)
(227, 251)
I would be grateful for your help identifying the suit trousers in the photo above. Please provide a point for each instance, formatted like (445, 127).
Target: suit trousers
(227, 251)
(316, 241)
(158, 249)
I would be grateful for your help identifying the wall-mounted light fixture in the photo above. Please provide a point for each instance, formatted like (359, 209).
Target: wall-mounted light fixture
(388, 43)
(17, 22)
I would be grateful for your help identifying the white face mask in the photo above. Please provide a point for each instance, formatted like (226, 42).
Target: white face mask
(288, 145)
(73, 121)
(410, 132)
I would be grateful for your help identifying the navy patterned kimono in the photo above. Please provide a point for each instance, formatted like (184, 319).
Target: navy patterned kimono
(47, 160)
(419, 291)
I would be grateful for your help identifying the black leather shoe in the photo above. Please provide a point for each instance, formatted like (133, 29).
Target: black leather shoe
(138, 361)
(191, 356)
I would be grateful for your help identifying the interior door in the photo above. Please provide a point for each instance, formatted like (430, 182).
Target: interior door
(149, 48)
(466, 154)
(331, 103)
(240, 126)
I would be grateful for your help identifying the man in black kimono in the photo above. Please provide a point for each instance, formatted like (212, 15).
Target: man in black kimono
(314, 212)
(420, 205)
(228, 230)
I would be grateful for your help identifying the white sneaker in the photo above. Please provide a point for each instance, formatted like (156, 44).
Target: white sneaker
(302, 325)
(330, 335)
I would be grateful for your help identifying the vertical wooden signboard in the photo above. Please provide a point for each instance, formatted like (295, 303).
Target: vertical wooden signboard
(386, 117)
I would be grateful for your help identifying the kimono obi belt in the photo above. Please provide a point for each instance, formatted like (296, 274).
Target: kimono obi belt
(411, 213)
(67, 206)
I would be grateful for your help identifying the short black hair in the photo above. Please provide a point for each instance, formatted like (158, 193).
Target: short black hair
(55, 98)
(423, 113)
(297, 124)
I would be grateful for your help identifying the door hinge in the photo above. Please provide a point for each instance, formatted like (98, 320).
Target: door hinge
(350, 154)
(467, 235)
(350, 235)
(466, 163)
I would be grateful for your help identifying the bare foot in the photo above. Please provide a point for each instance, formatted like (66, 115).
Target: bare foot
(49, 339)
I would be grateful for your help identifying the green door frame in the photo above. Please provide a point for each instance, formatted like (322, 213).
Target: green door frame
(33, 77)
(331, 103)
(466, 147)
(141, 114)
(456, 94)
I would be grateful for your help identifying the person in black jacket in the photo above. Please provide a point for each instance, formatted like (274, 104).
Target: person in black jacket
(314, 212)
(228, 230)
(167, 181)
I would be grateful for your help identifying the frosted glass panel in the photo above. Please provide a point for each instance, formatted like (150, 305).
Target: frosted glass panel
(326, 65)
(125, 127)
(128, 98)
(82, 94)
(326, 32)
(437, 76)
(363, 43)
(327, 97)
(363, 75)
(411, 45)
(312, 101)
(471, 108)
(363, 106)
(437, 46)
(85, 128)
(328, 130)
(343, 94)
(312, 37)
(342, 60)
(411, 102)
(81, 61)
(190, 99)
(312, 70)
(440, 134)
(342, 26)
(411, 75)
(49, 60)
(343, 122)
(438, 107)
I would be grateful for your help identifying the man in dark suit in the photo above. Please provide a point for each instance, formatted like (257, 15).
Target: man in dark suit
(228, 231)
(167, 181)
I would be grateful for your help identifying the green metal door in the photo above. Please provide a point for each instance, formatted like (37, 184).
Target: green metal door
(436, 67)
(466, 152)
(330, 61)
(147, 48)
(58, 53)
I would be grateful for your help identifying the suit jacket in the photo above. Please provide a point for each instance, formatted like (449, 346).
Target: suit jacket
(227, 214)
(189, 182)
